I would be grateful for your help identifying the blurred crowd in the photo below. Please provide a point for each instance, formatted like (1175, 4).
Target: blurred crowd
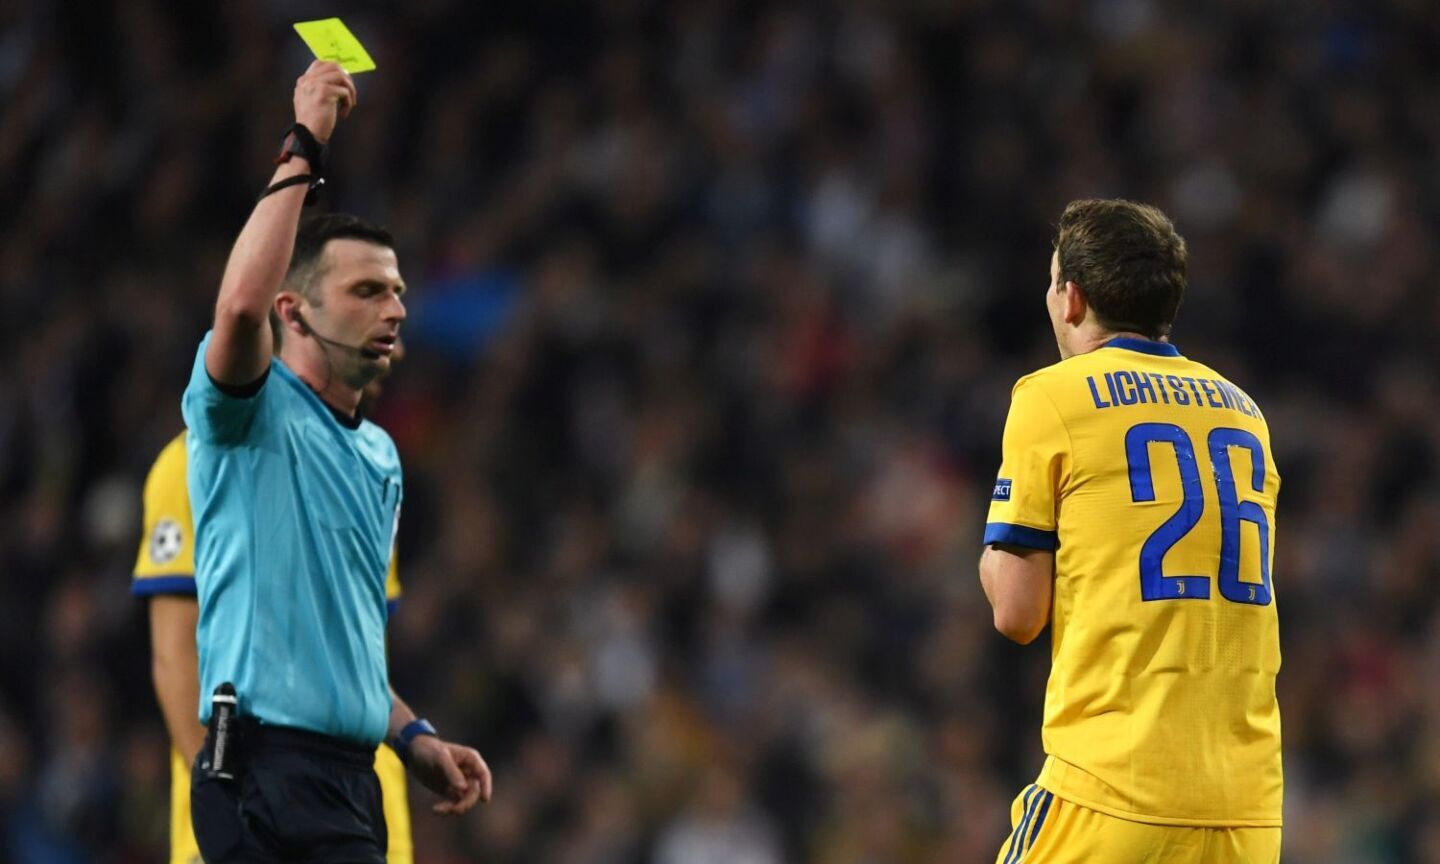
(715, 310)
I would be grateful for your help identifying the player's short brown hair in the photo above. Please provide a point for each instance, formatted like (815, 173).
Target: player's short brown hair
(1128, 260)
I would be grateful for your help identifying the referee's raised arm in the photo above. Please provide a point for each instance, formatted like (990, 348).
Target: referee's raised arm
(240, 348)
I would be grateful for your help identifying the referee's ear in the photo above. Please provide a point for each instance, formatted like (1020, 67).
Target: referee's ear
(277, 332)
(285, 315)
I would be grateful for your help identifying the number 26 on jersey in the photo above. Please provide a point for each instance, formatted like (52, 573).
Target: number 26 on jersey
(1154, 584)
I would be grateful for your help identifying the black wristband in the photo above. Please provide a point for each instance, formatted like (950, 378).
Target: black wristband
(310, 196)
(300, 141)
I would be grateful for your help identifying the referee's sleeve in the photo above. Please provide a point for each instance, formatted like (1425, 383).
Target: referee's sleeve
(214, 413)
(1035, 465)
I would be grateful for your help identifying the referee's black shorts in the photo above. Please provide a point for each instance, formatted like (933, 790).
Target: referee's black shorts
(298, 797)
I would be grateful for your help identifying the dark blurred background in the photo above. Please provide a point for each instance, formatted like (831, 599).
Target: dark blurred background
(716, 310)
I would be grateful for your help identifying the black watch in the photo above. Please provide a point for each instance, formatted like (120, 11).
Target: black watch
(300, 141)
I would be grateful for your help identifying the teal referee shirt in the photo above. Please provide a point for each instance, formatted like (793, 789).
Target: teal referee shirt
(295, 516)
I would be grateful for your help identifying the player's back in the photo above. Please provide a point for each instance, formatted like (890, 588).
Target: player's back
(1161, 701)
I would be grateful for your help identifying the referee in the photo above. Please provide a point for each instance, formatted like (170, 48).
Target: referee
(296, 500)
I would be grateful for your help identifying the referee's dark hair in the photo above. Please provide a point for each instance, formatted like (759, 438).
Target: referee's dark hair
(1129, 261)
(307, 261)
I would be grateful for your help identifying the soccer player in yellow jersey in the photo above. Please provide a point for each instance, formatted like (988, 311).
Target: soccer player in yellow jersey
(165, 574)
(1135, 513)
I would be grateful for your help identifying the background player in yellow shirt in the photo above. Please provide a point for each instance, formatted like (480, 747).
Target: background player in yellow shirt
(1135, 513)
(165, 574)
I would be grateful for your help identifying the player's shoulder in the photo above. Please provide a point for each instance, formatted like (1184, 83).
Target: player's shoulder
(1204, 371)
(170, 466)
(1045, 375)
(166, 560)
(1050, 380)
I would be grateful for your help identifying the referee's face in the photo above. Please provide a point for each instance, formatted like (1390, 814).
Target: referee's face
(361, 306)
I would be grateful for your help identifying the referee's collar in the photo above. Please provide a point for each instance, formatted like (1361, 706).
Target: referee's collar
(1144, 346)
(344, 419)
(349, 422)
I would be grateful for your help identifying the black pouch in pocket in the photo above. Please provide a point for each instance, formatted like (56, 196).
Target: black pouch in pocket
(223, 756)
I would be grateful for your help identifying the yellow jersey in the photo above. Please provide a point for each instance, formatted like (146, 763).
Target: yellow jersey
(1150, 476)
(166, 565)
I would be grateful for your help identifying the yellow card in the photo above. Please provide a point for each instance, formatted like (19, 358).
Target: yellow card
(331, 40)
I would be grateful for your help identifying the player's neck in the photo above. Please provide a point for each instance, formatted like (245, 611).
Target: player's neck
(1089, 338)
